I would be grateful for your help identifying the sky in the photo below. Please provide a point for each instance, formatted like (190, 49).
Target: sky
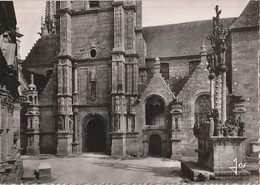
(155, 12)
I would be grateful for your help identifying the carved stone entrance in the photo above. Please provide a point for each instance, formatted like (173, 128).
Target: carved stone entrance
(94, 136)
(155, 146)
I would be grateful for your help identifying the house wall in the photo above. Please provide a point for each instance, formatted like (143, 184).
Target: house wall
(245, 75)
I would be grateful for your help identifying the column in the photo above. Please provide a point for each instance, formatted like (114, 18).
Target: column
(217, 93)
(224, 95)
(176, 112)
(211, 77)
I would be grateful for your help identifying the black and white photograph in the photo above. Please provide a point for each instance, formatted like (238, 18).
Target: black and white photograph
(129, 92)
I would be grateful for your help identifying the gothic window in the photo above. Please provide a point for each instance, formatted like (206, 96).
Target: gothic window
(93, 4)
(30, 98)
(154, 111)
(202, 105)
(165, 70)
(93, 90)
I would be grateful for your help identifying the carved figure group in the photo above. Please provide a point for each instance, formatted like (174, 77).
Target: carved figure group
(232, 126)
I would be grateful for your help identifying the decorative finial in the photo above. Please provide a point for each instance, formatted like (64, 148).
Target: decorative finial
(157, 65)
(32, 79)
(157, 60)
(203, 48)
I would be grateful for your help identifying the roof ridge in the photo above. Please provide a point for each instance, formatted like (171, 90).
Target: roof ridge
(198, 21)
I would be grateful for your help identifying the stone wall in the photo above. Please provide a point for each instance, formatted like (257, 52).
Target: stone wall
(102, 76)
(92, 30)
(245, 77)
(197, 84)
(48, 140)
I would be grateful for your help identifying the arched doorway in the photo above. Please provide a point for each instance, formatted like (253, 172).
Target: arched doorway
(95, 136)
(155, 146)
(154, 111)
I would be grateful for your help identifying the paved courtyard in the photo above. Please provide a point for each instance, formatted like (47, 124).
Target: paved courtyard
(97, 168)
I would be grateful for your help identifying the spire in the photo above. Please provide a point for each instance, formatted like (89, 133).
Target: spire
(48, 26)
(157, 65)
(32, 86)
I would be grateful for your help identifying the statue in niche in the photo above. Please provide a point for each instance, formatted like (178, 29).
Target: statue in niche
(70, 123)
(196, 128)
(61, 123)
(132, 101)
(117, 103)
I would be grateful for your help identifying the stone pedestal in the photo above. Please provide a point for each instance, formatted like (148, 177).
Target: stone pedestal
(64, 143)
(221, 154)
(176, 148)
(33, 147)
(117, 144)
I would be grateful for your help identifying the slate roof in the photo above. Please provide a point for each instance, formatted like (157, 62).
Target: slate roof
(44, 52)
(249, 17)
(182, 39)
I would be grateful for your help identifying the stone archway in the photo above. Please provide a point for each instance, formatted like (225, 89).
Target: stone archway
(154, 111)
(155, 146)
(94, 136)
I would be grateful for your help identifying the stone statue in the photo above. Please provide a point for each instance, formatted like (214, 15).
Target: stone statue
(117, 103)
(196, 129)
(70, 123)
(241, 126)
(61, 123)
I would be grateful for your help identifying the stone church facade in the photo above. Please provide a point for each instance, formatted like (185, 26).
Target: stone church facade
(100, 82)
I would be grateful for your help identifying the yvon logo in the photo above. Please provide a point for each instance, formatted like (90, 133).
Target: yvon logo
(237, 166)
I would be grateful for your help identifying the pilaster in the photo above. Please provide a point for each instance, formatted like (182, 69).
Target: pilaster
(176, 113)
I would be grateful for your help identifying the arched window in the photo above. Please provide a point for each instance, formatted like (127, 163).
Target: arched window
(30, 98)
(202, 106)
(154, 108)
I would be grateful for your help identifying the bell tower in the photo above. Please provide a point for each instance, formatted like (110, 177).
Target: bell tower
(125, 75)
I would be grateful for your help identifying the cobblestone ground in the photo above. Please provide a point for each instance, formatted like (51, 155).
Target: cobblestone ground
(96, 168)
